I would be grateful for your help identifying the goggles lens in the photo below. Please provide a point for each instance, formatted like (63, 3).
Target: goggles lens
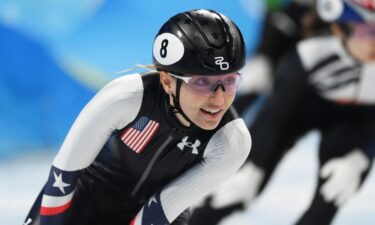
(206, 85)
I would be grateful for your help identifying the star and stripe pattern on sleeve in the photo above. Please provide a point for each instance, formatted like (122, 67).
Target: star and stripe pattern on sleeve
(151, 214)
(137, 136)
(58, 192)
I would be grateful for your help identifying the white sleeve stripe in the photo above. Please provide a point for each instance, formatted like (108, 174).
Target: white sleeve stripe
(138, 219)
(56, 201)
(115, 106)
(225, 153)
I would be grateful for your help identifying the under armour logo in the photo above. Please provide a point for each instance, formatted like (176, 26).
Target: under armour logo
(28, 221)
(194, 146)
(220, 61)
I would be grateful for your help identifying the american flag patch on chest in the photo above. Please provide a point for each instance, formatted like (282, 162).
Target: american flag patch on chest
(137, 136)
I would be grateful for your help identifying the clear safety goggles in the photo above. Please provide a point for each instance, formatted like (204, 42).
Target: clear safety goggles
(206, 85)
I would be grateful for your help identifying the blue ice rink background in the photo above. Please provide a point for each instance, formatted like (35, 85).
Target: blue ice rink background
(54, 55)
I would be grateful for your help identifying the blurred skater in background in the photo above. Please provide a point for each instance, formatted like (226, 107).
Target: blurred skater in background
(285, 23)
(327, 83)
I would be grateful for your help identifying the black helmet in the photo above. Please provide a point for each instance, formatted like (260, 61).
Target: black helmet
(199, 42)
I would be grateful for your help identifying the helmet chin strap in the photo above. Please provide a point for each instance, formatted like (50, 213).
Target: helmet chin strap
(176, 107)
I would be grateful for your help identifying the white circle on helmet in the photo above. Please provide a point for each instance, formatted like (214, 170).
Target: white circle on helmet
(330, 10)
(168, 49)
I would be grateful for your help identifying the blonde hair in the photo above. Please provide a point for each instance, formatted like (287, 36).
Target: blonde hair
(149, 68)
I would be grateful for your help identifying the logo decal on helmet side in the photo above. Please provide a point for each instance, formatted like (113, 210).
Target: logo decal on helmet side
(168, 49)
(330, 10)
(194, 146)
(220, 62)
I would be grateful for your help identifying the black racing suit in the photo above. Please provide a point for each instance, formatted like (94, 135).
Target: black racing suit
(282, 30)
(127, 160)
